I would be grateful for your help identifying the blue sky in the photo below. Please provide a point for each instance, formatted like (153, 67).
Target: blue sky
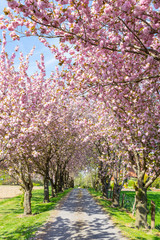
(25, 46)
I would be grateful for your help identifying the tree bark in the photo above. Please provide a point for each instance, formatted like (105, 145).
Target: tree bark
(141, 207)
(152, 214)
(56, 179)
(105, 185)
(66, 180)
(71, 183)
(116, 195)
(27, 185)
(119, 179)
(46, 189)
(60, 182)
(52, 188)
(134, 206)
(27, 201)
(46, 180)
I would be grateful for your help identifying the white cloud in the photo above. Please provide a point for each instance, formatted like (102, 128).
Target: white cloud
(51, 61)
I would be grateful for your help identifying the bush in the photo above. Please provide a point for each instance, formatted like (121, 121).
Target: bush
(131, 183)
(156, 183)
(37, 182)
(6, 179)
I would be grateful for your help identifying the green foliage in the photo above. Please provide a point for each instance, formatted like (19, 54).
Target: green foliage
(86, 179)
(14, 225)
(158, 227)
(37, 184)
(156, 183)
(131, 183)
(79, 180)
(6, 179)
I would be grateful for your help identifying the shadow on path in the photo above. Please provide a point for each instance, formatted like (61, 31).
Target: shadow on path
(79, 218)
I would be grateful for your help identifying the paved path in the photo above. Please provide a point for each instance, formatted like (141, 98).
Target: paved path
(79, 217)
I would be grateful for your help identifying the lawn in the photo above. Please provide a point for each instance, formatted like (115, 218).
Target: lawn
(14, 225)
(124, 220)
(155, 196)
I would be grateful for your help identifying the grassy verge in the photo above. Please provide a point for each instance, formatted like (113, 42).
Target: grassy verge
(155, 196)
(13, 225)
(124, 221)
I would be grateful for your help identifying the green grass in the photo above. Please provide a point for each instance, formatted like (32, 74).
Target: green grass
(15, 226)
(155, 196)
(125, 221)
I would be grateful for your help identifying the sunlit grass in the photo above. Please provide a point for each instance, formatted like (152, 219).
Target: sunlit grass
(124, 220)
(15, 226)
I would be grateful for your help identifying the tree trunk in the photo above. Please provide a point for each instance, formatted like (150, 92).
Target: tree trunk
(27, 186)
(96, 185)
(119, 178)
(106, 190)
(107, 186)
(46, 189)
(103, 186)
(56, 179)
(66, 181)
(141, 207)
(116, 195)
(27, 201)
(52, 188)
(134, 206)
(46, 180)
(71, 183)
(60, 183)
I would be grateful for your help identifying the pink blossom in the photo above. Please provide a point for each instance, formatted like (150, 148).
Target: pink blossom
(11, 27)
(126, 6)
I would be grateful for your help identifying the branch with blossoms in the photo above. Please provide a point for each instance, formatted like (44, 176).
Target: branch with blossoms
(57, 22)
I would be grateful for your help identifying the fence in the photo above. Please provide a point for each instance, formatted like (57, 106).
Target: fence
(127, 201)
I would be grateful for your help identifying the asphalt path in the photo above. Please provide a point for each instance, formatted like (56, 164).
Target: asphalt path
(79, 217)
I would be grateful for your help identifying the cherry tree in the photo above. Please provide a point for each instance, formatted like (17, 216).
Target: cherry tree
(138, 115)
(24, 99)
(134, 121)
(37, 124)
(12, 110)
(112, 158)
(120, 28)
(114, 48)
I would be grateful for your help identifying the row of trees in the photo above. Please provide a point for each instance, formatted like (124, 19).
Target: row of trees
(36, 133)
(111, 69)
